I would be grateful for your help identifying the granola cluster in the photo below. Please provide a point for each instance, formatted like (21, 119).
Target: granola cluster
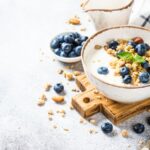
(132, 59)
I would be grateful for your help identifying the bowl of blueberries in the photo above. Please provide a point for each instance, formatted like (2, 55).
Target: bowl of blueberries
(67, 46)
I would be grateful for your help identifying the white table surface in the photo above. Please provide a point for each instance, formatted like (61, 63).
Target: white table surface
(26, 27)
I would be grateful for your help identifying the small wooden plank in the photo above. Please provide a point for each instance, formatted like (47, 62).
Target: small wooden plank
(116, 112)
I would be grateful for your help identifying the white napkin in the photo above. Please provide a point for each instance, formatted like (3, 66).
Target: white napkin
(140, 15)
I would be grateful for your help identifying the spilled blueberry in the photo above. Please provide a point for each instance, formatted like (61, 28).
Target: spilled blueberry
(58, 88)
(144, 77)
(124, 71)
(107, 127)
(138, 128)
(127, 79)
(103, 70)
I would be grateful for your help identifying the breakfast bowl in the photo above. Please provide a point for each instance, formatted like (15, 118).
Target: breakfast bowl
(66, 47)
(97, 59)
(108, 13)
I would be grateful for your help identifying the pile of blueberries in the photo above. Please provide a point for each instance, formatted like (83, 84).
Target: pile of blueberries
(68, 44)
(137, 128)
(141, 49)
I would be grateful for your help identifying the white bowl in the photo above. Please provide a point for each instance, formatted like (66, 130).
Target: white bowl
(124, 94)
(108, 13)
(65, 59)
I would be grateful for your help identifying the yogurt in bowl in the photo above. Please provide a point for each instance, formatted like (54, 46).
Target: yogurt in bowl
(121, 80)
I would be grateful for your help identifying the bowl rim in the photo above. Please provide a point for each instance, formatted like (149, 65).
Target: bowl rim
(99, 32)
(107, 10)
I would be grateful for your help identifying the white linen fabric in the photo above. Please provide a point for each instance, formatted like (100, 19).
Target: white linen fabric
(140, 15)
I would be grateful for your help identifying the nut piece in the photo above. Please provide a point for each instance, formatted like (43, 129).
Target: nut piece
(97, 47)
(50, 112)
(65, 129)
(69, 76)
(47, 87)
(138, 40)
(76, 73)
(124, 133)
(93, 121)
(41, 102)
(58, 99)
(43, 97)
(74, 21)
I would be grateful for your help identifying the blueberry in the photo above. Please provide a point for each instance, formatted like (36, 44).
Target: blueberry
(127, 79)
(103, 70)
(68, 39)
(83, 38)
(138, 128)
(76, 35)
(144, 77)
(72, 54)
(133, 44)
(55, 44)
(147, 46)
(60, 38)
(107, 127)
(148, 120)
(58, 88)
(57, 51)
(63, 54)
(145, 65)
(66, 47)
(113, 44)
(78, 50)
(78, 41)
(124, 71)
(141, 49)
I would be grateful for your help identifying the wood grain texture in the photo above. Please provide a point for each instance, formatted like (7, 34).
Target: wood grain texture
(90, 101)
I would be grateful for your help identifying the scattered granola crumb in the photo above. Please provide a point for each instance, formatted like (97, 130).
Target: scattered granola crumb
(75, 90)
(60, 71)
(50, 117)
(65, 129)
(74, 21)
(62, 111)
(43, 97)
(92, 131)
(81, 120)
(76, 73)
(97, 47)
(69, 76)
(124, 133)
(83, 29)
(54, 126)
(50, 112)
(41, 102)
(58, 99)
(93, 121)
(47, 86)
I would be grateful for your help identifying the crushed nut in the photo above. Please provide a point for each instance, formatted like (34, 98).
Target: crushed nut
(43, 97)
(76, 73)
(41, 102)
(124, 133)
(60, 71)
(69, 76)
(74, 21)
(93, 121)
(50, 112)
(65, 129)
(58, 99)
(47, 86)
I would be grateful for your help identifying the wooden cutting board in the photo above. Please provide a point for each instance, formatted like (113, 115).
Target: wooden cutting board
(90, 101)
